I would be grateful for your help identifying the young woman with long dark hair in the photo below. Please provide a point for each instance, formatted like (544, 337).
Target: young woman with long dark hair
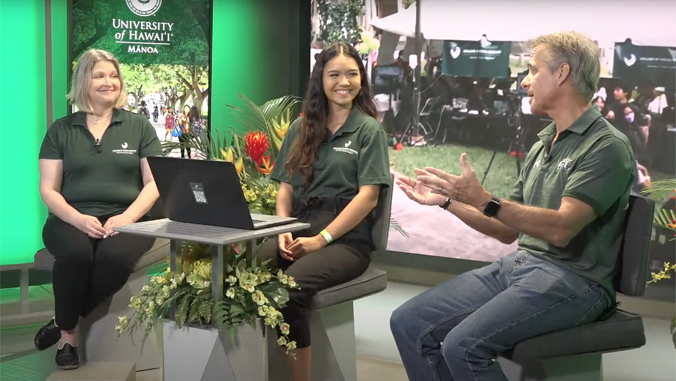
(331, 168)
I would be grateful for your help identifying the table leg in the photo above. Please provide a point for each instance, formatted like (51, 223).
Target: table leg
(250, 246)
(217, 272)
(174, 249)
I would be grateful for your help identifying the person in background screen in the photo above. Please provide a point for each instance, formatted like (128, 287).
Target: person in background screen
(331, 168)
(183, 124)
(94, 176)
(169, 124)
(196, 123)
(567, 209)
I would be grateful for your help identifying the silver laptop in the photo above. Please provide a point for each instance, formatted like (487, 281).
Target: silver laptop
(207, 193)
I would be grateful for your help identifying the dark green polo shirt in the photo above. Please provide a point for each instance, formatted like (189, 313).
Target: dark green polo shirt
(101, 180)
(355, 155)
(592, 162)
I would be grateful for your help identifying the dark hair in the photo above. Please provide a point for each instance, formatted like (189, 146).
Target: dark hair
(312, 129)
(626, 88)
(194, 113)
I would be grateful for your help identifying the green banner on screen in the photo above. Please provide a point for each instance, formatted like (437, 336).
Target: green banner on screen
(172, 32)
(645, 65)
(480, 59)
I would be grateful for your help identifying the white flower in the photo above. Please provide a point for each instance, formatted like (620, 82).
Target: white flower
(262, 310)
(281, 341)
(285, 328)
(232, 280)
(145, 288)
(230, 293)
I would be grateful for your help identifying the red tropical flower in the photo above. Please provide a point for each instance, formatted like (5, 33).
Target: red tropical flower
(255, 145)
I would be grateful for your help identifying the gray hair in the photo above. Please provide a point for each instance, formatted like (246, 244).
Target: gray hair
(579, 52)
(82, 79)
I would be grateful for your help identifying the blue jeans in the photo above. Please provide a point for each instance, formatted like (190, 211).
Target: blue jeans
(455, 330)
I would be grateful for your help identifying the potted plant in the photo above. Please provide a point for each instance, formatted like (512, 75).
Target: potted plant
(665, 219)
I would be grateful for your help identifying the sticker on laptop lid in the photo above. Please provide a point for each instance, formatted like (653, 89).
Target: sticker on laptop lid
(198, 192)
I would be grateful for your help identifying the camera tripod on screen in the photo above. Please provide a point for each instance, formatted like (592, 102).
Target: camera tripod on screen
(418, 126)
(517, 144)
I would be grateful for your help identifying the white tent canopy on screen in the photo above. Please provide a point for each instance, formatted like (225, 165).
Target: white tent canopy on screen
(648, 22)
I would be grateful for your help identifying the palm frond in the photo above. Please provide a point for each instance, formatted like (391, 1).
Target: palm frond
(659, 190)
(395, 225)
(665, 218)
(254, 118)
(198, 143)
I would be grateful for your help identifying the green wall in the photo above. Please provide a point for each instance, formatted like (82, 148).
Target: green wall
(261, 49)
(23, 119)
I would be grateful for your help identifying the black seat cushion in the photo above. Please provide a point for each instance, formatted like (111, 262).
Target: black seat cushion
(43, 259)
(621, 331)
(370, 282)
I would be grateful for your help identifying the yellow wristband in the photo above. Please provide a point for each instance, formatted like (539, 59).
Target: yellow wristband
(326, 236)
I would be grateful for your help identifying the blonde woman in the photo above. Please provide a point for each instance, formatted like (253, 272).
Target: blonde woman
(94, 176)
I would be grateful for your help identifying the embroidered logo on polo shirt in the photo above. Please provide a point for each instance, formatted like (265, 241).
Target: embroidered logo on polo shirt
(564, 164)
(346, 149)
(124, 150)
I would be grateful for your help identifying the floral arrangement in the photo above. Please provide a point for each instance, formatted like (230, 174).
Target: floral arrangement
(251, 291)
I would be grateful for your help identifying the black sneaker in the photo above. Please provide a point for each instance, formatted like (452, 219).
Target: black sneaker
(47, 336)
(67, 358)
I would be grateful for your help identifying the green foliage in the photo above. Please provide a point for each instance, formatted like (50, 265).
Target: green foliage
(272, 118)
(251, 291)
(660, 191)
(93, 28)
(339, 20)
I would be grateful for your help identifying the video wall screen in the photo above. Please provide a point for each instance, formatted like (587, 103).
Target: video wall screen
(471, 103)
(164, 50)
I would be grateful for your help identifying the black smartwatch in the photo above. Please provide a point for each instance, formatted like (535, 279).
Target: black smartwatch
(492, 207)
(446, 204)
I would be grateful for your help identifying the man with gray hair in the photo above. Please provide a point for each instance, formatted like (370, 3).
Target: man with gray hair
(567, 210)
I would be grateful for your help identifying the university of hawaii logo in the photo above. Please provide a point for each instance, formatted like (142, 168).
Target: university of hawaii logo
(144, 8)
(346, 149)
(630, 60)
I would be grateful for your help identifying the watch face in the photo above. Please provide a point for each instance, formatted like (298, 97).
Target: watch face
(492, 208)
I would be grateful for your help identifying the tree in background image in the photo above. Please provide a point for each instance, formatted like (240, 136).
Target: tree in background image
(175, 83)
(339, 20)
